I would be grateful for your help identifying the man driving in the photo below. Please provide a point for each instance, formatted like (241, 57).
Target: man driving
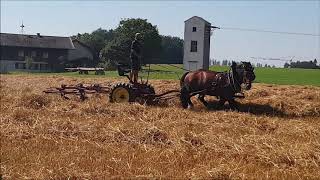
(135, 56)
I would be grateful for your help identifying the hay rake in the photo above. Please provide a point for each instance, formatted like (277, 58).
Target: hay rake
(141, 92)
(119, 93)
(80, 89)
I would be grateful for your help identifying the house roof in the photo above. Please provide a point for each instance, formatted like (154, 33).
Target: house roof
(36, 41)
(198, 18)
(83, 44)
(81, 51)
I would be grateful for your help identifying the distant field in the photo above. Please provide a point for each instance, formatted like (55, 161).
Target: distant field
(288, 76)
(264, 75)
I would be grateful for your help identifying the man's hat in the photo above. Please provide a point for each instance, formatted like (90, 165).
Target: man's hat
(137, 35)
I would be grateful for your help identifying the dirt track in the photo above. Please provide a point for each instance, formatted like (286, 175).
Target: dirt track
(276, 135)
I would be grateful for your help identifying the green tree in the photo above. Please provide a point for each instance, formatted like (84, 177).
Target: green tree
(286, 65)
(115, 52)
(96, 40)
(118, 50)
(224, 62)
(171, 50)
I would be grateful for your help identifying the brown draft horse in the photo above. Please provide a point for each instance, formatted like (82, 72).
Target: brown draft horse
(223, 85)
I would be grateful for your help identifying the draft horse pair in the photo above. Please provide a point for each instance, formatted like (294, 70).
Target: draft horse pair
(223, 85)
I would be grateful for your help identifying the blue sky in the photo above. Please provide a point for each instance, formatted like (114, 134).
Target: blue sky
(66, 18)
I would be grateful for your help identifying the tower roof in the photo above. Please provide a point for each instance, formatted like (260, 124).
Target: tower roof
(197, 17)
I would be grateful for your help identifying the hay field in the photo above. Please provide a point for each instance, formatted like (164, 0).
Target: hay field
(275, 136)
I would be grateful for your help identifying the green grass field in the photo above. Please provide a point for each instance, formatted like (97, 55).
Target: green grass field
(264, 75)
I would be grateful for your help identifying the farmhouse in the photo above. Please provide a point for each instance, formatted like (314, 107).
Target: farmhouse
(82, 55)
(33, 52)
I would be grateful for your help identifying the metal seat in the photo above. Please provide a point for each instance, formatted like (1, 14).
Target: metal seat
(123, 69)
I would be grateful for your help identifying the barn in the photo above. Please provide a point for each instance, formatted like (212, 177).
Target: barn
(36, 53)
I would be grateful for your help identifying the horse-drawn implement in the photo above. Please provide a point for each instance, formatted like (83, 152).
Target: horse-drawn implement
(226, 86)
(79, 89)
(141, 92)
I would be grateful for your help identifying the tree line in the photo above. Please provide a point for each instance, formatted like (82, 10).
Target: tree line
(303, 64)
(228, 63)
(113, 46)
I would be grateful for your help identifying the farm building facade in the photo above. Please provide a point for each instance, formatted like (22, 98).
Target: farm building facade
(39, 53)
(82, 55)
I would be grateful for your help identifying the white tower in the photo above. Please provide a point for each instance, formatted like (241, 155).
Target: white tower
(196, 43)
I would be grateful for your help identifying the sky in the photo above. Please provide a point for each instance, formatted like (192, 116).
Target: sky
(66, 18)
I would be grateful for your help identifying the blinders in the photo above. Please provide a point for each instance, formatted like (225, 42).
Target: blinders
(247, 72)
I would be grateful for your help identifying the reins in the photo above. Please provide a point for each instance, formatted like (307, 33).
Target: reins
(170, 71)
(179, 67)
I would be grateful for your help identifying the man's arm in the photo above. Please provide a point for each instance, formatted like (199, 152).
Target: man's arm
(134, 52)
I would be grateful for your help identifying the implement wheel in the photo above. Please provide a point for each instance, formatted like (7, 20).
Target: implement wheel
(121, 93)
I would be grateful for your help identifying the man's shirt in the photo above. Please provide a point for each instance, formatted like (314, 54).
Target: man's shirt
(136, 47)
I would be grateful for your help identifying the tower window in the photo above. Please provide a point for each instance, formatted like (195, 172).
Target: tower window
(193, 46)
(194, 29)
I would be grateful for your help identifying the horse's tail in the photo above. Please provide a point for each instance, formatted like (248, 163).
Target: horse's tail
(184, 92)
(182, 79)
(184, 96)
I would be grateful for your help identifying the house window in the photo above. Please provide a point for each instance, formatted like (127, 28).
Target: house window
(45, 55)
(193, 46)
(43, 66)
(20, 66)
(21, 53)
(33, 53)
(194, 29)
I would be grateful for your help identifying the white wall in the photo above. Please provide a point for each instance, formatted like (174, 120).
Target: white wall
(200, 59)
(193, 60)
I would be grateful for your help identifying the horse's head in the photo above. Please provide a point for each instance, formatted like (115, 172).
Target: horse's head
(245, 73)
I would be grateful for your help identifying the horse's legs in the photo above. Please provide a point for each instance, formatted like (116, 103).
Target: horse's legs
(184, 97)
(233, 104)
(201, 98)
(221, 102)
(190, 103)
